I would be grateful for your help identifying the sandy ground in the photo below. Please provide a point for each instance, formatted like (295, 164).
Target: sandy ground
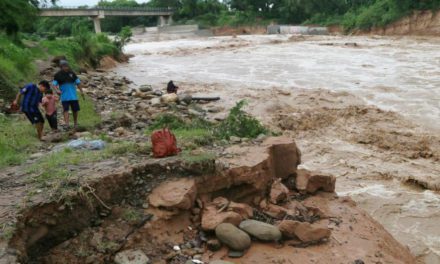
(363, 109)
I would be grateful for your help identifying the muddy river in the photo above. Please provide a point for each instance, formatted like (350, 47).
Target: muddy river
(281, 75)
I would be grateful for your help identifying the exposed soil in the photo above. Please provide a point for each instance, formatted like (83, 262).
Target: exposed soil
(113, 215)
(419, 23)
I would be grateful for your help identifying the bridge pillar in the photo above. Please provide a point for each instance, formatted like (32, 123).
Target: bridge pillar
(162, 21)
(97, 24)
(170, 20)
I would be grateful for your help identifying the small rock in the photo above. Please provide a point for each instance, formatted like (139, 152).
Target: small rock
(261, 230)
(145, 88)
(155, 102)
(306, 232)
(140, 125)
(176, 248)
(211, 218)
(195, 112)
(215, 109)
(36, 155)
(278, 192)
(235, 139)
(244, 210)
(273, 210)
(157, 93)
(235, 254)
(233, 237)
(214, 244)
(131, 257)
(120, 131)
(359, 261)
(185, 98)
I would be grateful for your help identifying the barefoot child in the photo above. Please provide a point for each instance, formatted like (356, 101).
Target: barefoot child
(49, 104)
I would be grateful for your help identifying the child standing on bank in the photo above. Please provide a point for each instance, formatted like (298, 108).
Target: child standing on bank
(49, 103)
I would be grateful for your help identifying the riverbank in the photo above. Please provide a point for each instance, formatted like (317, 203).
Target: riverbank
(56, 198)
(359, 104)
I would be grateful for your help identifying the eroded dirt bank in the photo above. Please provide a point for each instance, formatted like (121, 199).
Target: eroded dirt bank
(166, 211)
(419, 23)
(360, 108)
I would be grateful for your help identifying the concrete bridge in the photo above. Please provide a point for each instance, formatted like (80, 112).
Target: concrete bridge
(98, 13)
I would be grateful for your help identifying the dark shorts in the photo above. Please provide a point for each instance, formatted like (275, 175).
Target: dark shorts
(52, 120)
(74, 105)
(35, 117)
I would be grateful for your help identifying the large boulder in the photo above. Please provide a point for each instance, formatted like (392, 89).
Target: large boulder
(306, 232)
(131, 257)
(255, 166)
(278, 192)
(233, 237)
(285, 156)
(311, 182)
(260, 230)
(179, 194)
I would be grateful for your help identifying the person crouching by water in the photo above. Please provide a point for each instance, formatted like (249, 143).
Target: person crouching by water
(49, 104)
(171, 88)
(66, 82)
(32, 97)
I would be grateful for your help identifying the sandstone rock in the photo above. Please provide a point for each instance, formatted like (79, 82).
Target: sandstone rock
(312, 182)
(278, 192)
(273, 210)
(285, 155)
(179, 194)
(169, 98)
(261, 230)
(211, 218)
(253, 166)
(244, 210)
(233, 237)
(131, 257)
(306, 232)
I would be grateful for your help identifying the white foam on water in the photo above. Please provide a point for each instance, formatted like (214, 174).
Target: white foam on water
(377, 190)
(411, 69)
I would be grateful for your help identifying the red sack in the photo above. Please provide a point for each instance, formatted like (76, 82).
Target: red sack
(164, 144)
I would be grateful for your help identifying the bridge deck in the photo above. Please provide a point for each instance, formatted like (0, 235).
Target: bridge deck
(105, 11)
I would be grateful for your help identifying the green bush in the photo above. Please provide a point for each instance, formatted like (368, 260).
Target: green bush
(240, 124)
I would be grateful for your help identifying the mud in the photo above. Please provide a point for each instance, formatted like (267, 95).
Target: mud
(114, 216)
(362, 108)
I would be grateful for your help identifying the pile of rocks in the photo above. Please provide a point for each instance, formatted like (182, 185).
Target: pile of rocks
(275, 218)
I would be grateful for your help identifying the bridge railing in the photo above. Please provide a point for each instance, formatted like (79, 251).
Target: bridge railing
(111, 8)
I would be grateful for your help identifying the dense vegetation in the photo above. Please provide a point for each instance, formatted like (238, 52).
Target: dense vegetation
(349, 13)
